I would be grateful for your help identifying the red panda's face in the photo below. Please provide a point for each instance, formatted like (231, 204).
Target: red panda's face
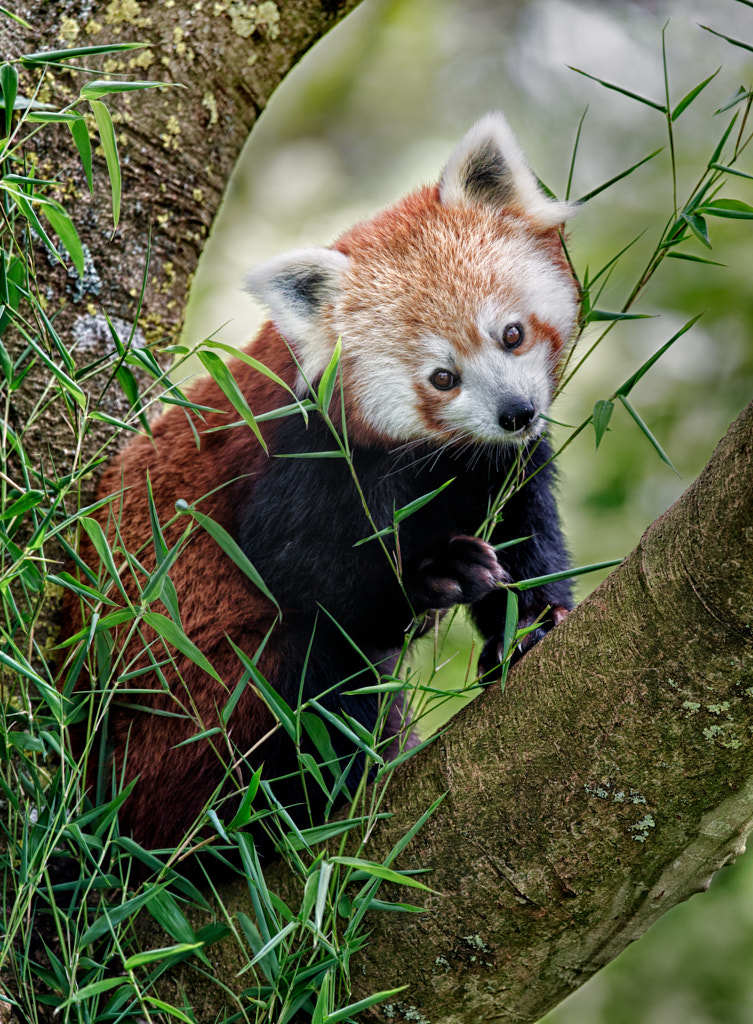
(453, 320)
(453, 306)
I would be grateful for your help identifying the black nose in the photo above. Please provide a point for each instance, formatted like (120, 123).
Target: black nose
(516, 414)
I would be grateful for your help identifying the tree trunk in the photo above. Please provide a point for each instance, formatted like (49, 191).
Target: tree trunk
(608, 782)
(177, 148)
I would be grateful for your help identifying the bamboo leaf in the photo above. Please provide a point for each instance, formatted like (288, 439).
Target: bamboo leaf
(730, 170)
(659, 450)
(413, 506)
(109, 145)
(64, 228)
(27, 501)
(243, 814)
(740, 96)
(25, 207)
(688, 99)
(115, 916)
(380, 871)
(276, 704)
(601, 416)
(174, 635)
(95, 90)
(734, 209)
(80, 134)
(231, 548)
(329, 378)
(693, 259)
(625, 388)
(54, 56)
(728, 39)
(362, 1004)
(97, 536)
(566, 574)
(224, 379)
(9, 87)
(94, 989)
(150, 955)
(698, 226)
(625, 92)
(618, 177)
(346, 731)
(53, 117)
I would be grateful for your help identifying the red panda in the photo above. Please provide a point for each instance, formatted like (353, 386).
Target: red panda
(453, 308)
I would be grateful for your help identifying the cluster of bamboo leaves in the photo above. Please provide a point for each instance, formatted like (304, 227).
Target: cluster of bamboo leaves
(86, 962)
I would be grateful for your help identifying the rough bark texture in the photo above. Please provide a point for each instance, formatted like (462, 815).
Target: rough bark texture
(607, 784)
(177, 148)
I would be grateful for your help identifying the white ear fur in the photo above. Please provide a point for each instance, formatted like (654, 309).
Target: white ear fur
(489, 167)
(296, 287)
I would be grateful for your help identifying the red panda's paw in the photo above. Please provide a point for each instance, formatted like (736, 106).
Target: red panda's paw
(460, 571)
(492, 655)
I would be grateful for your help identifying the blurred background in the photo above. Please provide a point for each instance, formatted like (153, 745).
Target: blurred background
(375, 110)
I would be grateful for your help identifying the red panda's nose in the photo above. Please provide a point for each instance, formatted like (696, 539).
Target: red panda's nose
(516, 414)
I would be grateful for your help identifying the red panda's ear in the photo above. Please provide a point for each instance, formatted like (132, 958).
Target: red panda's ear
(488, 167)
(297, 287)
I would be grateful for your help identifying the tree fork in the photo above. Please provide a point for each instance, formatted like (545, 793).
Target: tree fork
(608, 782)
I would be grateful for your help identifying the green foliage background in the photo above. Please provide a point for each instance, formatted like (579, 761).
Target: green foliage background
(375, 110)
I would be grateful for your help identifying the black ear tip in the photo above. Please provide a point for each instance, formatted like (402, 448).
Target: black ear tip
(304, 277)
(308, 286)
(486, 176)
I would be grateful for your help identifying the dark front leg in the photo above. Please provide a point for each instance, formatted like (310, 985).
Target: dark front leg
(460, 570)
(531, 513)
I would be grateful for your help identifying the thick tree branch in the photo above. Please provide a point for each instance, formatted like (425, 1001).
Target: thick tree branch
(607, 784)
(177, 149)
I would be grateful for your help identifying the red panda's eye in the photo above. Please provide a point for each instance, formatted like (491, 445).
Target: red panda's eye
(443, 380)
(513, 335)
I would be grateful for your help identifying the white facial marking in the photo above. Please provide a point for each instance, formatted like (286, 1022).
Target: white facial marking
(494, 379)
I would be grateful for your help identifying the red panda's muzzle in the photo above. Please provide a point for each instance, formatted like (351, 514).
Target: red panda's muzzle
(516, 413)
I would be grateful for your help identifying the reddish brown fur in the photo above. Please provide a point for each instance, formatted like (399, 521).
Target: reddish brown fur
(215, 597)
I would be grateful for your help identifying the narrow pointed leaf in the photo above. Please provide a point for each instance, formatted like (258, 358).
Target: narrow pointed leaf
(362, 1004)
(232, 549)
(687, 100)
(380, 871)
(53, 56)
(693, 259)
(174, 635)
(224, 379)
(566, 574)
(9, 87)
(728, 39)
(64, 228)
(110, 147)
(602, 414)
(329, 378)
(625, 92)
(618, 177)
(414, 506)
(734, 209)
(658, 448)
(95, 90)
(625, 388)
(80, 134)
(699, 228)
